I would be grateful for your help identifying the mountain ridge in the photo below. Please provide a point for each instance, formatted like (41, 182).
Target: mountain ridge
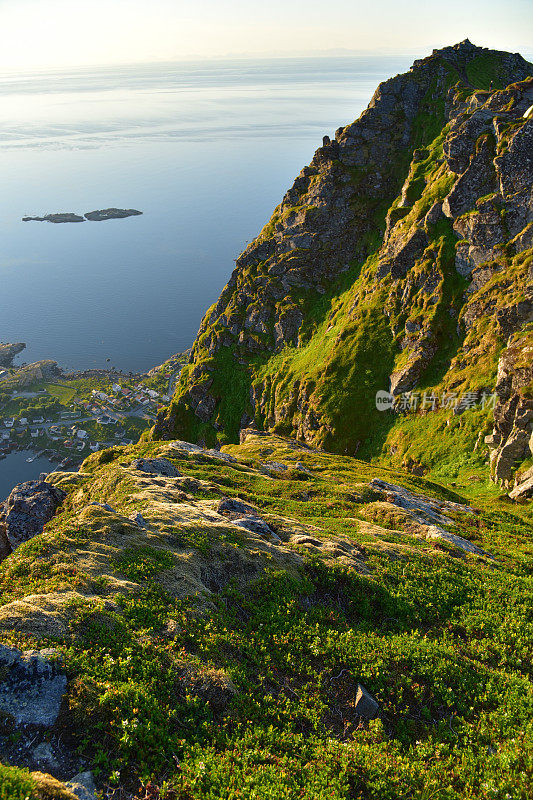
(369, 274)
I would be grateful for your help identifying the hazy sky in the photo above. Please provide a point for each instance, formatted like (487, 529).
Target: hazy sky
(42, 34)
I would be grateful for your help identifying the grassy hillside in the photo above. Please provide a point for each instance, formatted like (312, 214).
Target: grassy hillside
(217, 663)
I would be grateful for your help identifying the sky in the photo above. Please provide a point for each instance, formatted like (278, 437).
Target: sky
(50, 34)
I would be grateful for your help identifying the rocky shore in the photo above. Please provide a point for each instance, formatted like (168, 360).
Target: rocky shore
(9, 351)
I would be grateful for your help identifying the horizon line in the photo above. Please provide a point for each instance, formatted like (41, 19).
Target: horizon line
(242, 56)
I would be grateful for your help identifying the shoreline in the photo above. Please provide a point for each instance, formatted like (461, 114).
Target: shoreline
(104, 394)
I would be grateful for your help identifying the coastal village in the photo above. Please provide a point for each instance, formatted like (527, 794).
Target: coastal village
(65, 417)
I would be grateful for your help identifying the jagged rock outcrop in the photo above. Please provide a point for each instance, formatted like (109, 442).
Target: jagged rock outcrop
(32, 686)
(398, 259)
(511, 440)
(8, 353)
(26, 511)
(523, 489)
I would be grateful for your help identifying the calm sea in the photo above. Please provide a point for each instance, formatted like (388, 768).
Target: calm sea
(206, 150)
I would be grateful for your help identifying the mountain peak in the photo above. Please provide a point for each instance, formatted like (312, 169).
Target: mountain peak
(462, 54)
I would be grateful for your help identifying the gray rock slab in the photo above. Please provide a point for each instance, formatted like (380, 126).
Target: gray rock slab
(365, 705)
(82, 785)
(32, 687)
(157, 466)
(232, 505)
(257, 525)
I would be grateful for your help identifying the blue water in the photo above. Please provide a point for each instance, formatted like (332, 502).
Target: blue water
(205, 150)
(15, 469)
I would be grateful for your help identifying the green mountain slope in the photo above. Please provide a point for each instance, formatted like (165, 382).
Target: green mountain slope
(400, 260)
(214, 614)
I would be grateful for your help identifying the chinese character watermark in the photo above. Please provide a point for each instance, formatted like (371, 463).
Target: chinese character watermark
(429, 401)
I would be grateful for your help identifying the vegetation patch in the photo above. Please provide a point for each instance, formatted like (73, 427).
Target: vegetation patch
(143, 563)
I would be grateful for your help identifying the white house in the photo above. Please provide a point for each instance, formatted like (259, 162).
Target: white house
(81, 434)
(9, 422)
(116, 387)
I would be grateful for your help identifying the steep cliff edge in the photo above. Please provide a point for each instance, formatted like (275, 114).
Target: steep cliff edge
(400, 260)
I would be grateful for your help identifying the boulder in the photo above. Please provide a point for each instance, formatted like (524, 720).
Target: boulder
(157, 466)
(31, 686)
(232, 505)
(257, 525)
(27, 510)
(523, 489)
(83, 786)
(105, 506)
(365, 706)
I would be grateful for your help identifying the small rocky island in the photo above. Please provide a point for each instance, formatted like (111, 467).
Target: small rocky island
(55, 218)
(92, 216)
(111, 213)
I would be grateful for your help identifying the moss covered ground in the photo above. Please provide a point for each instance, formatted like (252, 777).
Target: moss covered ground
(248, 691)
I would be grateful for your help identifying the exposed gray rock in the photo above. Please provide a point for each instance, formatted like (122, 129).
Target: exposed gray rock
(323, 227)
(434, 214)
(44, 755)
(220, 456)
(8, 353)
(157, 466)
(185, 447)
(5, 546)
(257, 525)
(27, 509)
(423, 509)
(205, 408)
(138, 519)
(523, 489)
(434, 532)
(405, 379)
(478, 180)
(232, 505)
(31, 686)
(105, 506)
(83, 786)
(274, 466)
(401, 254)
(513, 414)
(365, 705)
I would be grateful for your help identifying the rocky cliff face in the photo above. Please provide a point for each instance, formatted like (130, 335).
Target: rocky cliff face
(399, 260)
(8, 353)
